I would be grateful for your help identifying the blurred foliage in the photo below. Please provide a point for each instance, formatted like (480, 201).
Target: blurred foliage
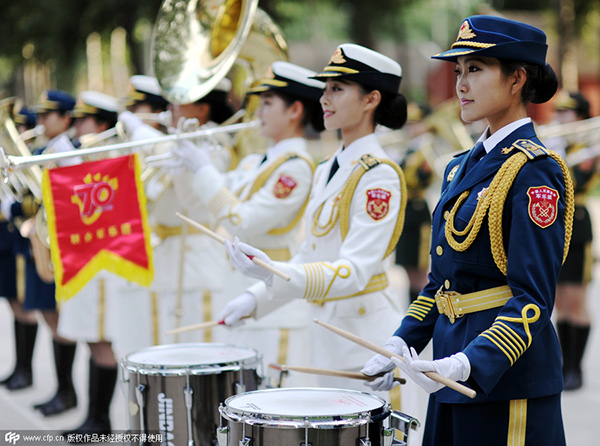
(56, 30)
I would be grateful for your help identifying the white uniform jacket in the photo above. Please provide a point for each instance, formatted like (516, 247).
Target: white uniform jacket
(262, 202)
(329, 271)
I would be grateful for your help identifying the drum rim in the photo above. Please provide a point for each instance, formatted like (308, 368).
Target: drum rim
(192, 369)
(299, 421)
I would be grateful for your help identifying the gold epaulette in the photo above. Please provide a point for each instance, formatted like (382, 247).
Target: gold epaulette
(368, 161)
(529, 148)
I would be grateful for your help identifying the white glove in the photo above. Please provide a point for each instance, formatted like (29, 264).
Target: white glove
(381, 364)
(456, 367)
(130, 121)
(238, 256)
(184, 125)
(5, 207)
(190, 156)
(62, 144)
(237, 309)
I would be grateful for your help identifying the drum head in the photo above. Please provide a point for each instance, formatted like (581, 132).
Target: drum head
(303, 402)
(186, 356)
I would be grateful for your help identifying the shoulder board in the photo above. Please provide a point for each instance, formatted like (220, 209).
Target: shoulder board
(461, 153)
(368, 161)
(528, 147)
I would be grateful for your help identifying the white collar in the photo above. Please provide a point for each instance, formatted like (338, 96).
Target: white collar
(284, 146)
(350, 153)
(490, 142)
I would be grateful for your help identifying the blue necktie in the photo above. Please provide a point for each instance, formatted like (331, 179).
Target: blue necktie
(476, 154)
(334, 167)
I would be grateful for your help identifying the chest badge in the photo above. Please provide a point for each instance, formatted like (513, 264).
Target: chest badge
(543, 205)
(284, 186)
(451, 174)
(378, 203)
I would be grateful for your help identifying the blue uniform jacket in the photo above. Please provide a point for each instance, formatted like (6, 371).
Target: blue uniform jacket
(514, 358)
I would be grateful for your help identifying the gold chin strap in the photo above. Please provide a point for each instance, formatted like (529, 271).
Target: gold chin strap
(493, 200)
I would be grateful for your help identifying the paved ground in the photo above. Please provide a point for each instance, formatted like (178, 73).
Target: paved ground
(580, 408)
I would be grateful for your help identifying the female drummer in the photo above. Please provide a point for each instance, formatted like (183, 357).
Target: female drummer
(353, 219)
(501, 230)
(262, 201)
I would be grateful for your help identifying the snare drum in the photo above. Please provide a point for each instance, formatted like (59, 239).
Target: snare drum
(310, 417)
(175, 390)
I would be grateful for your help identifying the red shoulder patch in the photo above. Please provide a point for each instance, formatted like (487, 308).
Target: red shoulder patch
(543, 205)
(378, 203)
(284, 186)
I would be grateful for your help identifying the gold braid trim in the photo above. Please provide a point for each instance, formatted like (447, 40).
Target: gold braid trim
(493, 200)
(264, 176)
(368, 162)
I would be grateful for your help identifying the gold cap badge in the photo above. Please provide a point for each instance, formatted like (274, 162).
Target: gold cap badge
(465, 31)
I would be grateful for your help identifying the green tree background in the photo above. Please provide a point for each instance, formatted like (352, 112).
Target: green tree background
(54, 32)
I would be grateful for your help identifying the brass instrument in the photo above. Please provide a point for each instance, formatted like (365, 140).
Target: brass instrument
(444, 123)
(13, 145)
(38, 130)
(197, 44)
(19, 163)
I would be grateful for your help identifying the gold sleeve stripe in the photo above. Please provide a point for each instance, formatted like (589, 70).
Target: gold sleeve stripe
(506, 339)
(342, 271)
(420, 307)
(222, 199)
(309, 281)
(484, 334)
(514, 335)
(517, 423)
(524, 319)
(316, 277)
(507, 347)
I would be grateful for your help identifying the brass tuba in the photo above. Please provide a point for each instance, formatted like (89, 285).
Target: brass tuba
(196, 43)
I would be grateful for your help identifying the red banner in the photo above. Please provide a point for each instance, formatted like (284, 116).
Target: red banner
(97, 220)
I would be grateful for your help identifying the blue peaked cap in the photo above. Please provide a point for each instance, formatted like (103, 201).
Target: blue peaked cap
(497, 37)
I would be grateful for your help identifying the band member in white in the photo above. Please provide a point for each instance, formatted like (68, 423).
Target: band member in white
(354, 219)
(263, 200)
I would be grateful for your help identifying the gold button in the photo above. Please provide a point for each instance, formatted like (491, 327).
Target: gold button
(362, 310)
(447, 284)
(314, 246)
(446, 215)
(439, 250)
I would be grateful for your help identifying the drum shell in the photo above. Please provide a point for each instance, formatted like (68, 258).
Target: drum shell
(331, 436)
(163, 404)
(282, 430)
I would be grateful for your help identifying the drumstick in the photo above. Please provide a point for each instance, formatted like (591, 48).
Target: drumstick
(388, 354)
(221, 240)
(194, 327)
(340, 373)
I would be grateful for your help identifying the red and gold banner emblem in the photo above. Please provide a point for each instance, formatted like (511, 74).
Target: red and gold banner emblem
(378, 203)
(97, 220)
(543, 205)
(284, 186)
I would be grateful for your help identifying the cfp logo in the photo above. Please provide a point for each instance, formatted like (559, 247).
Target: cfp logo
(94, 196)
(12, 437)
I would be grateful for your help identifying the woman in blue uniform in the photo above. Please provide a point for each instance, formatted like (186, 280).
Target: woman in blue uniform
(501, 231)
